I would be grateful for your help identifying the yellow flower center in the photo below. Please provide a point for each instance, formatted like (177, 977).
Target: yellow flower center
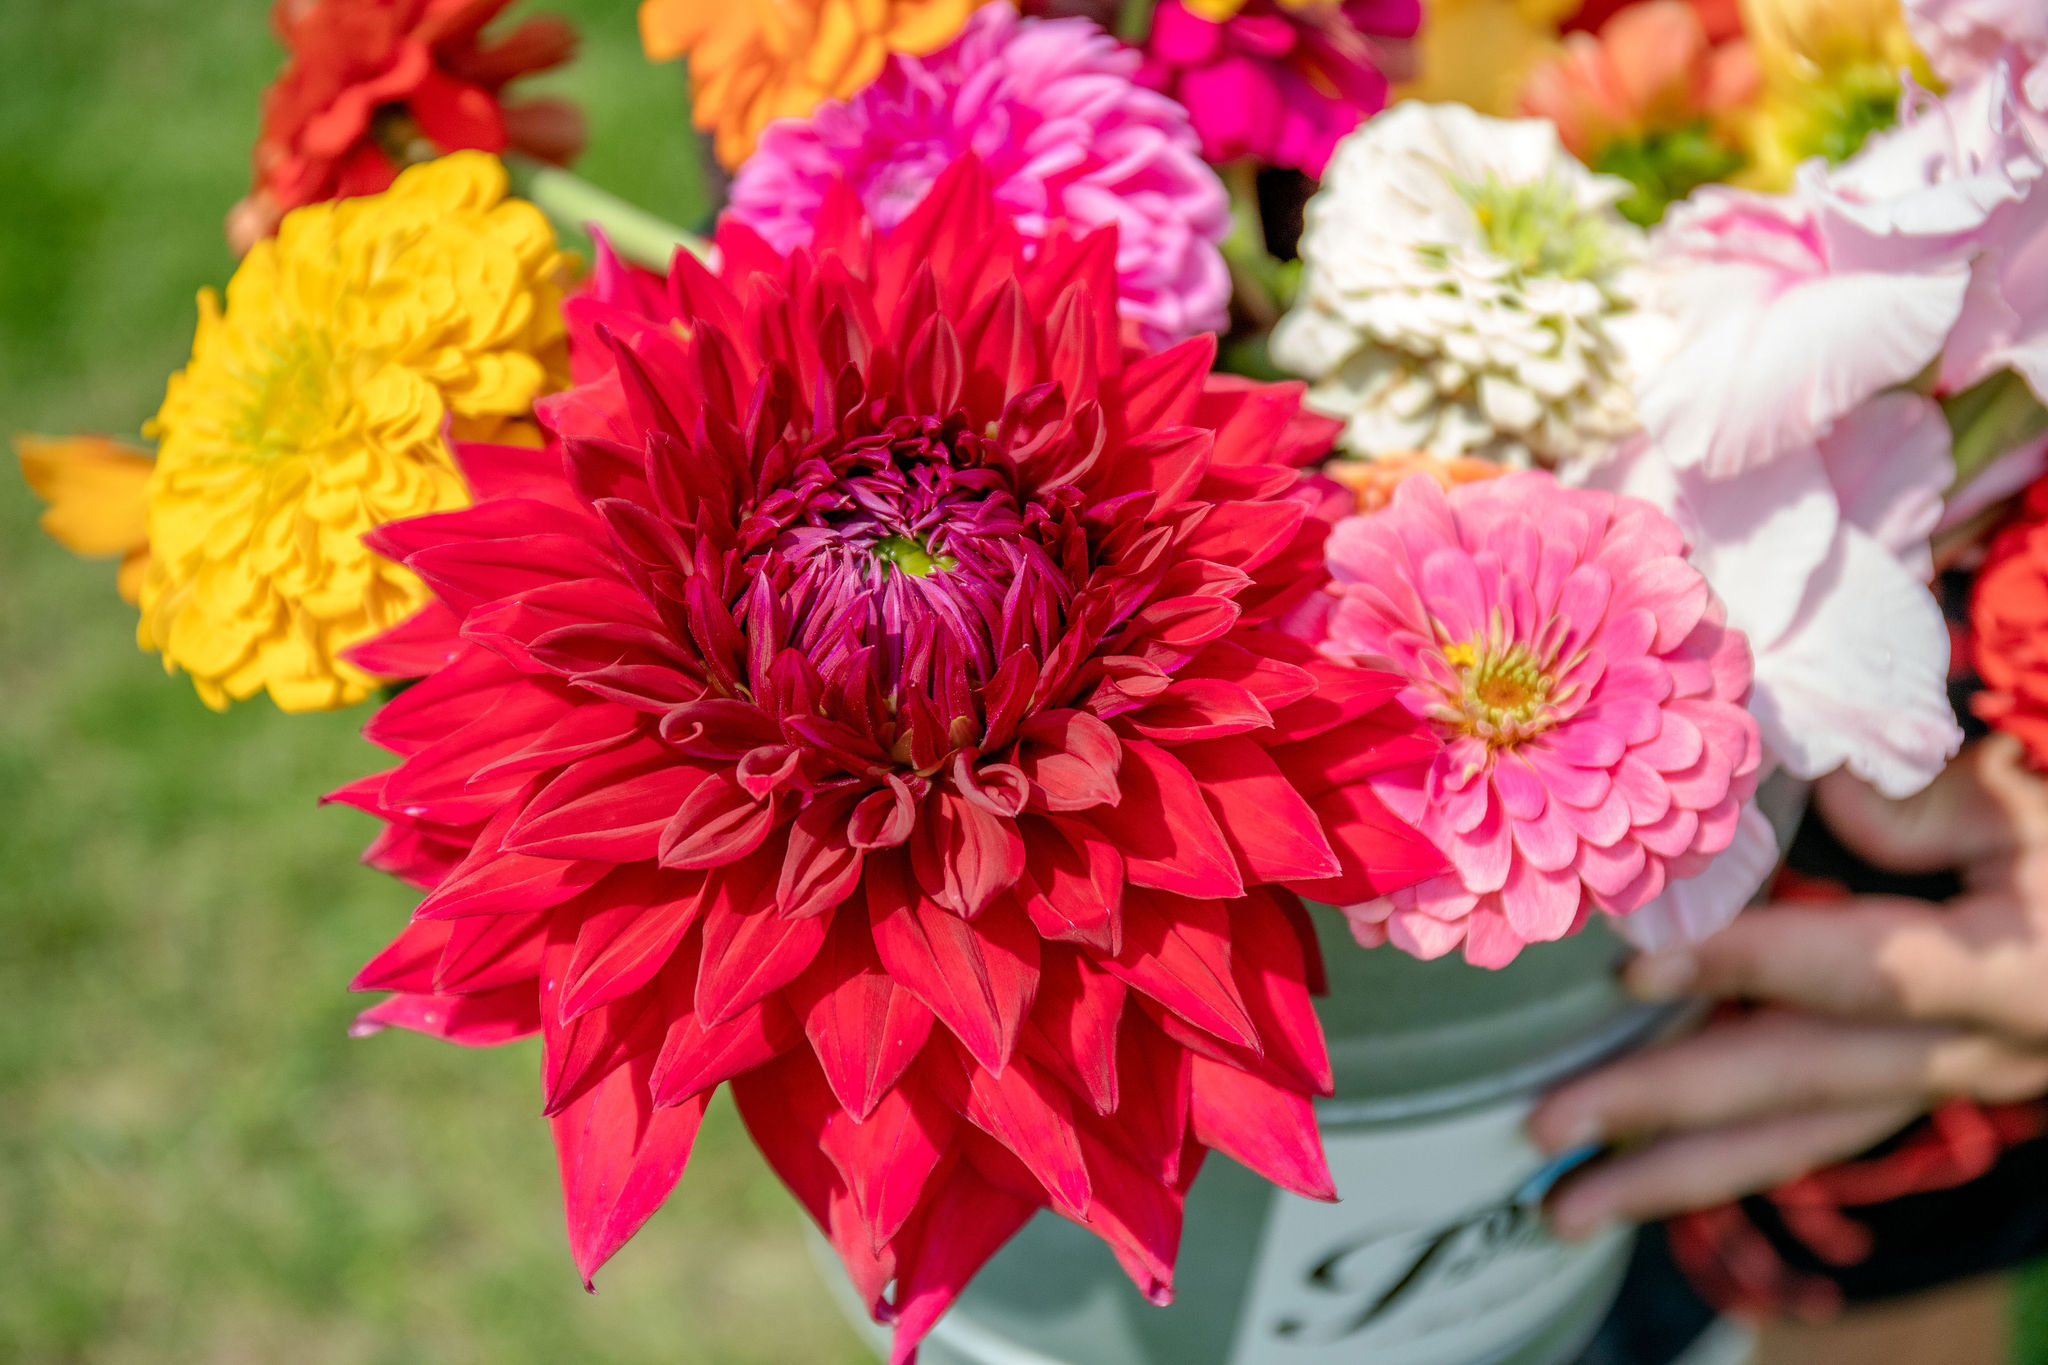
(290, 399)
(1505, 693)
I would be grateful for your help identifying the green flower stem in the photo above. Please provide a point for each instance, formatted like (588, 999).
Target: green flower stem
(1992, 418)
(576, 206)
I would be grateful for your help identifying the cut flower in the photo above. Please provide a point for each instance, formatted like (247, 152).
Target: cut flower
(1050, 108)
(314, 409)
(874, 703)
(1276, 81)
(753, 63)
(1462, 277)
(1589, 696)
(374, 85)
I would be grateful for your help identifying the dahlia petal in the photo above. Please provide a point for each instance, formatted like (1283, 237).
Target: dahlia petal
(415, 647)
(1199, 708)
(1261, 1126)
(785, 1106)
(578, 733)
(1074, 1024)
(1274, 681)
(408, 962)
(1380, 852)
(977, 1218)
(749, 950)
(820, 868)
(1159, 390)
(887, 1158)
(1151, 1122)
(619, 1158)
(696, 1058)
(610, 807)
(1139, 1217)
(1271, 974)
(1073, 883)
(485, 952)
(491, 881)
(716, 823)
(1177, 951)
(620, 947)
(1176, 844)
(1272, 831)
(865, 1028)
(978, 977)
(1024, 1109)
(964, 856)
(501, 1016)
(1071, 758)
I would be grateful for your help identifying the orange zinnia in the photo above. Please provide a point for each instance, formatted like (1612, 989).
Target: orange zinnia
(753, 61)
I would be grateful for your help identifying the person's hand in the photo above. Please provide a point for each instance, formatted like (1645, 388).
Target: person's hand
(1873, 1009)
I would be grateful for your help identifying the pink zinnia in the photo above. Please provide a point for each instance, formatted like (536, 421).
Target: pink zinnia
(1281, 83)
(1590, 697)
(1050, 107)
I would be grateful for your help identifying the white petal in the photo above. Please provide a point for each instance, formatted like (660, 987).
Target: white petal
(1861, 677)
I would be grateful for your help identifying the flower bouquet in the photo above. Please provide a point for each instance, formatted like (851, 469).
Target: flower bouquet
(949, 652)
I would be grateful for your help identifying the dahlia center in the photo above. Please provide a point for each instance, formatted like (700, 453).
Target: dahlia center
(912, 556)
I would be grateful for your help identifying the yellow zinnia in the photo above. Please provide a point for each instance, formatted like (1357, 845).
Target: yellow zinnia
(1830, 78)
(1479, 52)
(98, 491)
(753, 61)
(314, 410)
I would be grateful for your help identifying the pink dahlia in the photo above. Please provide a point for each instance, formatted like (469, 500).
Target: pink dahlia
(872, 701)
(1280, 82)
(1049, 106)
(1590, 700)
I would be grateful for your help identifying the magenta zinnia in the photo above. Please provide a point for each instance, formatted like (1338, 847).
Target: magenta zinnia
(872, 704)
(1051, 108)
(1590, 698)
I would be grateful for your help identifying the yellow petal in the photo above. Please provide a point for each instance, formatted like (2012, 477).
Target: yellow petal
(97, 489)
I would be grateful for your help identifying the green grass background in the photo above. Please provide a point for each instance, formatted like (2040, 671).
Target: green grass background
(196, 1163)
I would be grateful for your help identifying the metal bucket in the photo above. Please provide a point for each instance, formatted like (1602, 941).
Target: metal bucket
(1436, 1254)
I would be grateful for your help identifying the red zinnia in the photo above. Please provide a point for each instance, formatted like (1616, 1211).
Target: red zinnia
(2009, 627)
(871, 702)
(373, 84)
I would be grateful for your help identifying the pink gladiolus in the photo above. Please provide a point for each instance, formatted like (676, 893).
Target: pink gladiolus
(1589, 696)
(1050, 107)
(1280, 82)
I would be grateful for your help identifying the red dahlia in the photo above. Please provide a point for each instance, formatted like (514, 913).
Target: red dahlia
(872, 702)
(2009, 627)
(371, 85)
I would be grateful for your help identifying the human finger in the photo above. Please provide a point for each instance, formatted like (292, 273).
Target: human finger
(1778, 1062)
(1981, 960)
(1700, 1169)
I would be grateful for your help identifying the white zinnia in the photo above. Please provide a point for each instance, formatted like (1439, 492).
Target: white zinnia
(1462, 275)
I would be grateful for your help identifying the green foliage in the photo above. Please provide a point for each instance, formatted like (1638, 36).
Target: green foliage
(1666, 167)
(196, 1163)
